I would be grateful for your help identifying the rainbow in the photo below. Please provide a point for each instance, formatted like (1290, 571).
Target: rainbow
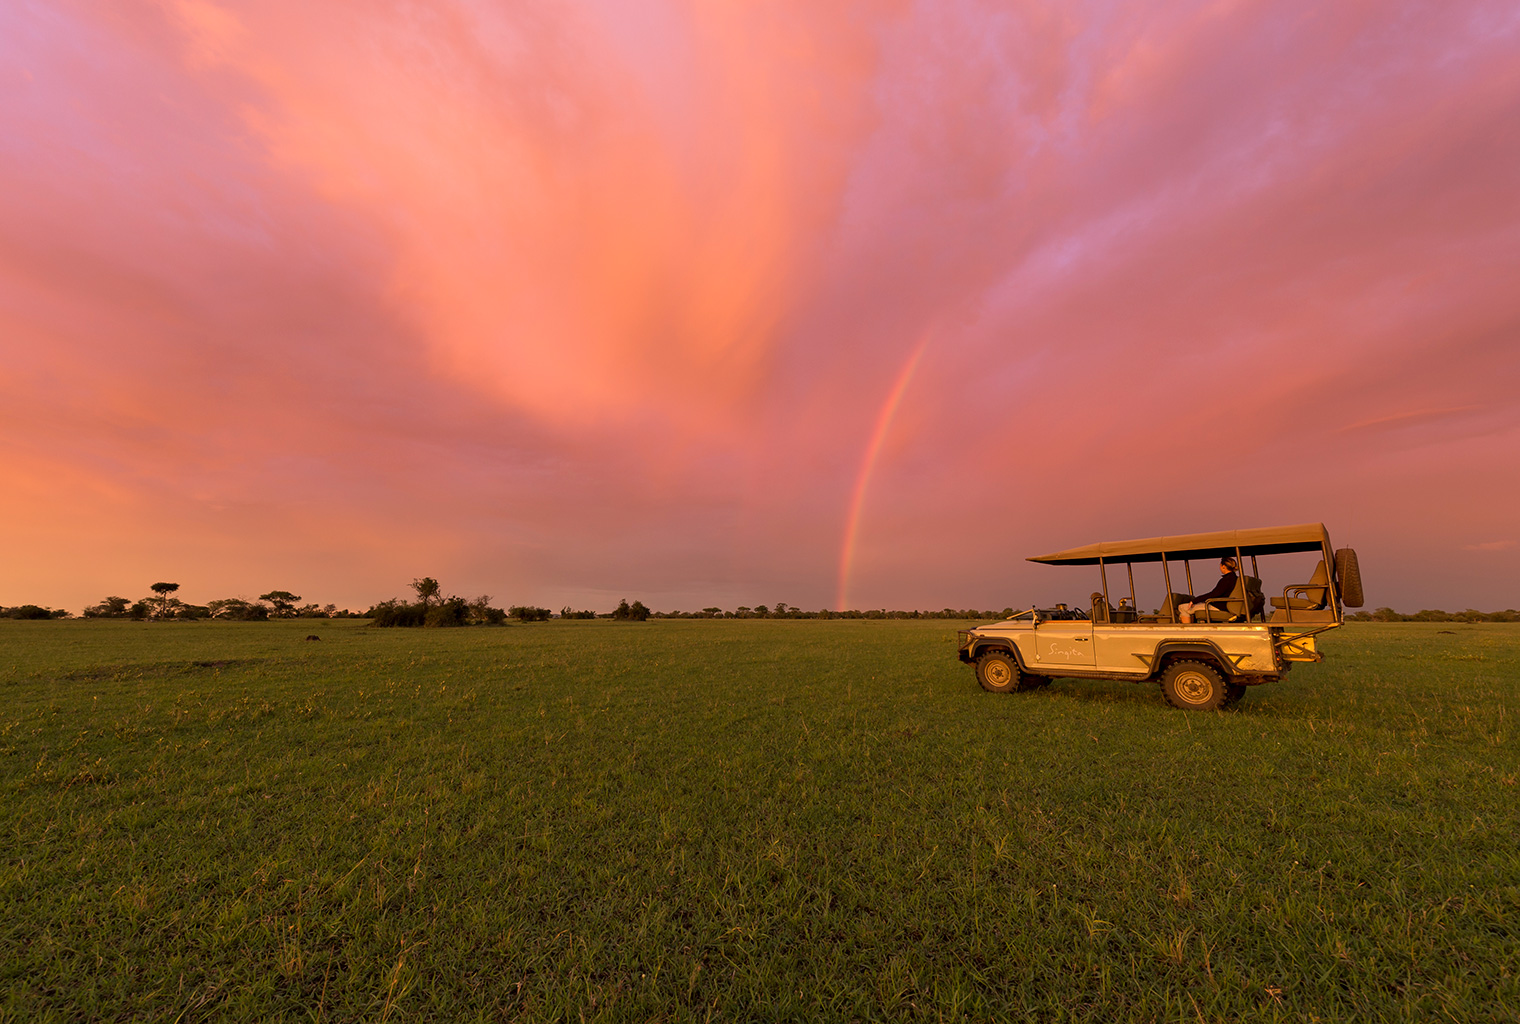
(863, 478)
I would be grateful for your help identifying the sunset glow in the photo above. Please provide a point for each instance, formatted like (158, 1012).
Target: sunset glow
(565, 303)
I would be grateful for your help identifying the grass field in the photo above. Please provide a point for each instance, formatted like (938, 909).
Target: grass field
(756, 820)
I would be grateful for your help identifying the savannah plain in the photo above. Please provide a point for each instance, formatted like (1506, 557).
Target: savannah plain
(743, 821)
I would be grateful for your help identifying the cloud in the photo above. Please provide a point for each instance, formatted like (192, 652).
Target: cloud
(1406, 419)
(559, 237)
(560, 302)
(1491, 545)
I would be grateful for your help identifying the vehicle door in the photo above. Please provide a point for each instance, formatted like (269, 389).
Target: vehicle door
(1063, 642)
(1125, 647)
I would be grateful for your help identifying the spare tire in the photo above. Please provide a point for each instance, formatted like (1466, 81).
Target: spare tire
(1348, 578)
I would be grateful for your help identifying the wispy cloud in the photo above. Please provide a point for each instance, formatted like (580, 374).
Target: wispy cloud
(555, 301)
(1409, 419)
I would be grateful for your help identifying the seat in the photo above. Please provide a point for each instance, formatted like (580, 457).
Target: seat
(1171, 604)
(1311, 596)
(1247, 595)
(1102, 611)
(1256, 600)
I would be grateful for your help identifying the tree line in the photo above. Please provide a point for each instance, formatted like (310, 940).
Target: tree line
(163, 605)
(1435, 615)
(781, 610)
(432, 608)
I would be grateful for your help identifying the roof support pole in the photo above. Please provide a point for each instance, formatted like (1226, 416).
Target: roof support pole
(1166, 577)
(1240, 574)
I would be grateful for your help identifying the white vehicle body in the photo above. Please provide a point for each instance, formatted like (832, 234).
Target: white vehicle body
(1238, 644)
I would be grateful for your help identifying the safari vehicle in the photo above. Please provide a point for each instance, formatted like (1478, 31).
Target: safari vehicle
(1205, 664)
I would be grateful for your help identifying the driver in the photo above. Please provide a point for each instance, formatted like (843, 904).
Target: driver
(1228, 577)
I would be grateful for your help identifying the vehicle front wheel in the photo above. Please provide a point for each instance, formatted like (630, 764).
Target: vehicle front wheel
(998, 672)
(1194, 686)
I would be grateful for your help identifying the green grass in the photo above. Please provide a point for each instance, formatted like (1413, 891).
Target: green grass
(759, 820)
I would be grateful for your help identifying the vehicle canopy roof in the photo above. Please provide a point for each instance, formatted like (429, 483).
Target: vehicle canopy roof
(1267, 540)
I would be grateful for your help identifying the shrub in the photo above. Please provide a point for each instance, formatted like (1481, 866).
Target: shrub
(481, 612)
(394, 613)
(32, 611)
(453, 611)
(529, 613)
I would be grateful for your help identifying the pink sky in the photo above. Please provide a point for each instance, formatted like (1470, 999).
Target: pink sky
(735, 302)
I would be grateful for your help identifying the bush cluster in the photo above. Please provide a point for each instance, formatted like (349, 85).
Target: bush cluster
(1435, 615)
(441, 612)
(32, 611)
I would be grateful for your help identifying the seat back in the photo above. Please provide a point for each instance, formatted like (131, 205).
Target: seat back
(1319, 593)
(1101, 610)
(1311, 596)
(1256, 600)
(1246, 595)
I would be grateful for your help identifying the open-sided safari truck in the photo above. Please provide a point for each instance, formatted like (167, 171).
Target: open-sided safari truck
(1208, 663)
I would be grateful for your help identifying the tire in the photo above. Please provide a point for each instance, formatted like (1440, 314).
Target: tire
(998, 672)
(1348, 578)
(1193, 686)
(1232, 694)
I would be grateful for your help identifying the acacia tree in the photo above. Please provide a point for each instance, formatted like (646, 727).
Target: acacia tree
(238, 609)
(163, 590)
(427, 590)
(110, 608)
(283, 600)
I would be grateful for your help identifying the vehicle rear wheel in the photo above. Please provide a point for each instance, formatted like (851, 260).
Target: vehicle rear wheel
(1232, 694)
(998, 672)
(1193, 685)
(1348, 578)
